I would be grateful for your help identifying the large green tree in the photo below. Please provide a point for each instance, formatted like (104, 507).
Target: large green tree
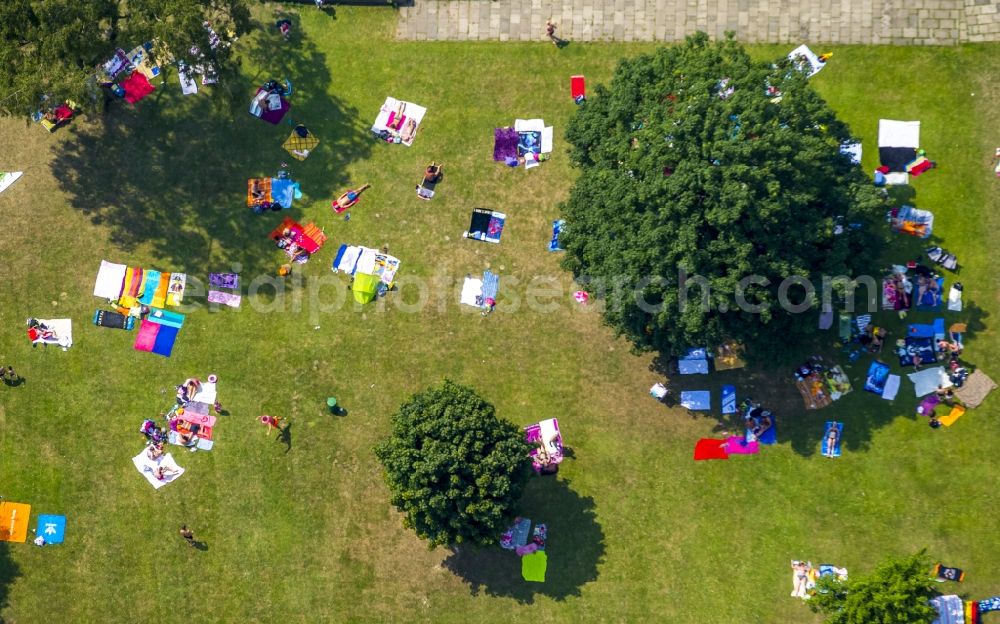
(698, 161)
(453, 468)
(896, 592)
(54, 47)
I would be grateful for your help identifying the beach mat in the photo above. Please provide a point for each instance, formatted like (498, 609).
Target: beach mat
(533, 566)
(696, 400)
(224, 298)
(729, 399)
(146, 336)
(975, 389)
(166, 318)
(738, 445)
(113, 320)
(164, 342)
(949, 419)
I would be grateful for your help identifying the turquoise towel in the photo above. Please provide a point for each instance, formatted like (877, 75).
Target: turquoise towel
(149, 291)
(166, 317)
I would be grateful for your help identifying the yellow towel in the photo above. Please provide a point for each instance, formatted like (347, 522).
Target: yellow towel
(160, 296)
(955, 414)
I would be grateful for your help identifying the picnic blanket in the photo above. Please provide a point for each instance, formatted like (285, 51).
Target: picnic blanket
(188, 84)
(285, 191)
(919, 347)
(516, 535)
(146, 466)
(696, 400)
(207, 393)
(472, 292)
(259, 192)
(805, 60)
(710, 448)
(63, 330)
(224, 298)
(533, 566)
(136, 87)
(504, 143)
(117, 64)
(400, 119)
(975, 389)
(694, 362)
(299, 147)
(738, 445)
(825, 445)
(814, 392)
(931, 299)
(110, 280)
(7, 178)
(486, 225)
(577, 86)
(878, 377)
(897, 143)
(557, 227)
(929, 380)
(912, 221)
(259, 107)
(729, 399)
(140, 59)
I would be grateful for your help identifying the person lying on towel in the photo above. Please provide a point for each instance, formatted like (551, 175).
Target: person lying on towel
(832, 438)
(925, 285)
(433, 173)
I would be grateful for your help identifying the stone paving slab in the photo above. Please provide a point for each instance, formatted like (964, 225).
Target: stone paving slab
(897, 22)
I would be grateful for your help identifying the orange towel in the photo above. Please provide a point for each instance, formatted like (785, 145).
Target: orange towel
(160, 296)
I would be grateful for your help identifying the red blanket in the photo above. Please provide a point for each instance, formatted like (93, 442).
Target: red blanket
(136, 87)
(709, 448)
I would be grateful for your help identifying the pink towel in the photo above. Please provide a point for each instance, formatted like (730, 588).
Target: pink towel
(527, 549)
(736, 445)
(146, 338)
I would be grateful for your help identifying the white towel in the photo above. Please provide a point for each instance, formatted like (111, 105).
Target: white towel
(189, 86)
(349, 260)
(7, 178)
(206, 394)
(897, 178)
(547, 139)
(110, 280)
(891, 387)
(812, 63)
(853, 151)
(145, 466)
(63, 329)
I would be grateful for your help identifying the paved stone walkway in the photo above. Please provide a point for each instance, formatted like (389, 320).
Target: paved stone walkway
(898, 22)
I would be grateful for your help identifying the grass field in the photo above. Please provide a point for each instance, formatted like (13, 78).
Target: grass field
(303, 532)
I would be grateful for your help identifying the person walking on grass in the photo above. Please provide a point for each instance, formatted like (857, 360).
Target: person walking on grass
(187, 534)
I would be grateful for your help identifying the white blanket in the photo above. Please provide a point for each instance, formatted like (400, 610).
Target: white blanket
(893, 133)
(954, 299)
(110, 280)
(929, 380)
(852, 150)
(63, 329)
(411, 111)
(891, 387)
(7, 178)
(806, 60)
(146, 466)
(349, 260)
(471, 289)
(547, 139)
(897, 178)
(529, 125)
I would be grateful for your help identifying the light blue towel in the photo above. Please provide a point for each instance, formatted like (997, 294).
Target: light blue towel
(491, 284)
(729, 399)
(699, 400)
(149, 290)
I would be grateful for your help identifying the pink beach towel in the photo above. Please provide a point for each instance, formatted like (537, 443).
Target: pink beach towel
(737, 445)
(146, 338)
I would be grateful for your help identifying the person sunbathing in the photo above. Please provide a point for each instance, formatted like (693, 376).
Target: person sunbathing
(410, 129)
(349, 198)
(763, 424)
(154, 451)
(397, 117)
(926, 285)
(832, 438)
(800, 579)
(433, 173)
(162, 473)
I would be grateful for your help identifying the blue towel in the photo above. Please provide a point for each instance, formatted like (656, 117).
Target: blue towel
(729, 399)
(878, 374)
(938, 329)
(556, 231)
(149, 289)
(491, 283)
(700, 400)
(931, 299)
(770, 436)
(283, 191)
(165, 338)
(166, 318)
(840, 436)
(920, 330)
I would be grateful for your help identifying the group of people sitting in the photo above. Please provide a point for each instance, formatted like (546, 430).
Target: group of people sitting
(287, 242)
(38, 331)
(899, 288)
(756, 420)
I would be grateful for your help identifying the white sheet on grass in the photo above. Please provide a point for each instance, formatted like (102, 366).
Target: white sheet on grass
(547, 139)
(188, 84)
(811, 64)
(853, 150)
(891, 387)
(7, 178)
(954, 299)
(411, 111)
(892, 133)
(529, 125)
(349, 260)
(929, 380)
(63, 329)
(145, 466)
(110, 280)
(206, 394)
(471, 289)
(951, 610)
(897, 178)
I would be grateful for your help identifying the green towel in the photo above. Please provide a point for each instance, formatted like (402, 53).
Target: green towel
(533, 566)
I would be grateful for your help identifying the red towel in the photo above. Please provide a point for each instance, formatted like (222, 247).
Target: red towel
(136, 87)
(63, 112)
(709, 448)
(577, 86)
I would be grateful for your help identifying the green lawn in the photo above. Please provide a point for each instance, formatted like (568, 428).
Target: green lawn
(638, 531)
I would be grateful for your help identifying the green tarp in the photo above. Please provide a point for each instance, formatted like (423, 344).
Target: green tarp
(365, 287)
(533, 566)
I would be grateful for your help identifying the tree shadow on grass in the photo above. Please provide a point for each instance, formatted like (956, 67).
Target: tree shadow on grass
(9, 571)
(575, 548)
(172, 171)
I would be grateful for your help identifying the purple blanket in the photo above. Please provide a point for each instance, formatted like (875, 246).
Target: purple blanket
(229, 299)
(224, 280)
(504, 143)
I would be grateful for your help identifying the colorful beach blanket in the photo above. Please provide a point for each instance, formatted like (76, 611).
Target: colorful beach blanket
(224, 280)
(224, 298)
(175, 289)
